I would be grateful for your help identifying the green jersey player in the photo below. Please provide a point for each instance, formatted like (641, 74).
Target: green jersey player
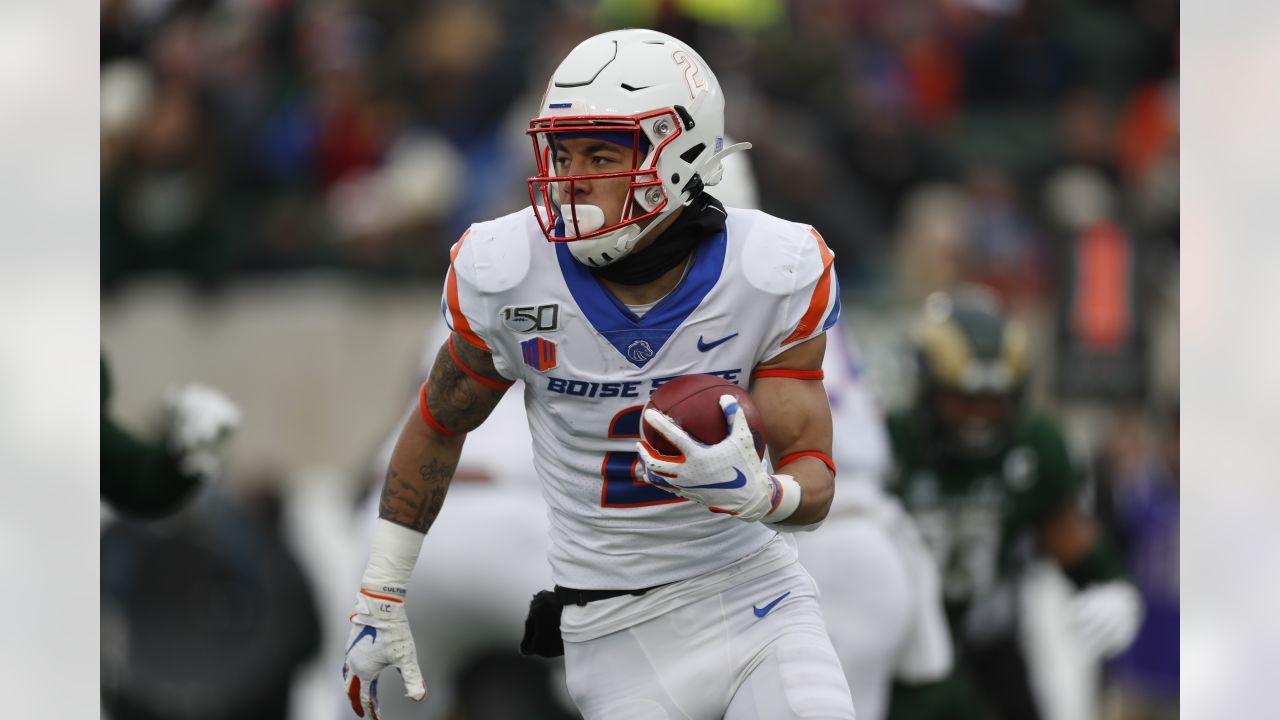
(151, 478)
(994, 492)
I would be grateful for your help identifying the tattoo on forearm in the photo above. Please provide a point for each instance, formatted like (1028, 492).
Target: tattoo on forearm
(460, 404)
(415, 505)
(456, 401)
(435, 481)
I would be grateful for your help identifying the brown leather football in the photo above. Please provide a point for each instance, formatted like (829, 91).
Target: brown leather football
(693, 402)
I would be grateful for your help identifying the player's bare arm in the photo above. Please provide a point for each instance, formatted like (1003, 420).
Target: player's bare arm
(1067, 535)
(797, 418)
(461, 391)
(425, 457)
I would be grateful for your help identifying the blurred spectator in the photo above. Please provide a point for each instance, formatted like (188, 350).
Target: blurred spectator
(1008, 252)
(258, 136)
(934, 241)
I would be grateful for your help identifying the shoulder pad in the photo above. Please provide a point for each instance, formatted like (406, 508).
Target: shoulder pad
(494, 255)
(778, 256)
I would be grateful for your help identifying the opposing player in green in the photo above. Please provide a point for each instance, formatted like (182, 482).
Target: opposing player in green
(1034, 597)
(152, 477)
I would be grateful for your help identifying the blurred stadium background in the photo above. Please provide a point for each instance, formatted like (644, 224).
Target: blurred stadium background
(281, 180)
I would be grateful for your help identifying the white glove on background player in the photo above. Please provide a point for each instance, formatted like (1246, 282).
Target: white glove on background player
(1107, 617)
(198, 418)
(380, 635)
(726, 477)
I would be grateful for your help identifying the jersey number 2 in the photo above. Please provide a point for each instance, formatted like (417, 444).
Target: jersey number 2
(621, 488)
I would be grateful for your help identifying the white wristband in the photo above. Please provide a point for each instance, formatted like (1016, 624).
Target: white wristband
(789, 490)
(391, 559)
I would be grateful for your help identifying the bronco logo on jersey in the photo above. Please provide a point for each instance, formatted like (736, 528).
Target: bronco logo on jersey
(640, 352)
(539, 354)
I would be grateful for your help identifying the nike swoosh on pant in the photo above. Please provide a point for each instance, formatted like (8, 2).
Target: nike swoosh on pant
(761, 612)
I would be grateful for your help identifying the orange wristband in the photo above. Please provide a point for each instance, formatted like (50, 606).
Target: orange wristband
(793, 374)
(825, 458)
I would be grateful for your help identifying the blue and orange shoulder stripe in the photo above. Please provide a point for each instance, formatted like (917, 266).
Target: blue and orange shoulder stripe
(456, 318)
(824, 302)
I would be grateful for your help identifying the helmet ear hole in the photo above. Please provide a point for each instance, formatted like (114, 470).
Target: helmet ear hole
(692, 154)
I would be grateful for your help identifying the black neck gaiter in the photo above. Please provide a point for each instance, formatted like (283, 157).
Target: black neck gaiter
(701, 219)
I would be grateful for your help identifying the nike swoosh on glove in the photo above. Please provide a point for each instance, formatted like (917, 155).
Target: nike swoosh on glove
(1107, 617)
(726, 477)
(380, 638)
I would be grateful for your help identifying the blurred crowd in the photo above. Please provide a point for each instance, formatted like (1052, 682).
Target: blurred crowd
(1030, 145)
(926, 138)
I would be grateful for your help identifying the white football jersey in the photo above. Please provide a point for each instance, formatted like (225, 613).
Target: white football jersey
(589, 364)
(860, 440)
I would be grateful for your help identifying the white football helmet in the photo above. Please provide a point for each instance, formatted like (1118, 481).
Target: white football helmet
(640, 89)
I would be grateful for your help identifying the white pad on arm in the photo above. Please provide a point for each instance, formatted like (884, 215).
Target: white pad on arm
(392, 557)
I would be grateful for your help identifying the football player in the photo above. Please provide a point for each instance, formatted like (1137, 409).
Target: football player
(675, 594)
(1034, 596)
(151, 478)
(880, 588)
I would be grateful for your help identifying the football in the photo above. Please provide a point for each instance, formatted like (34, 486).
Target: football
(693, 402)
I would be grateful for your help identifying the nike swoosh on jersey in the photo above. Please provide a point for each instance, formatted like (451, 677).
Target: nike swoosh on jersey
(372, 632)
(727, 484)
(761, 612)
(704, 346)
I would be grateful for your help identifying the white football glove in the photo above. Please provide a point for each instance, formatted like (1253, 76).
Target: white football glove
(199, 418)
(1107, 617)
(379, 638)
(727, 477)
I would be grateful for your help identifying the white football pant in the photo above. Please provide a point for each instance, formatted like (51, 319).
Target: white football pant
(720, 656)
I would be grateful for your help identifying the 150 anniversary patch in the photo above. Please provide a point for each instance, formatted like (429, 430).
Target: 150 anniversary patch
(531, 318)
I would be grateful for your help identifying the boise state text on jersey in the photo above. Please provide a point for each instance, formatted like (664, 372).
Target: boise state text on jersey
(629, 389)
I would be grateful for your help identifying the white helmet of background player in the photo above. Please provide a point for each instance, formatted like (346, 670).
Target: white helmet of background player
(643, 90)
